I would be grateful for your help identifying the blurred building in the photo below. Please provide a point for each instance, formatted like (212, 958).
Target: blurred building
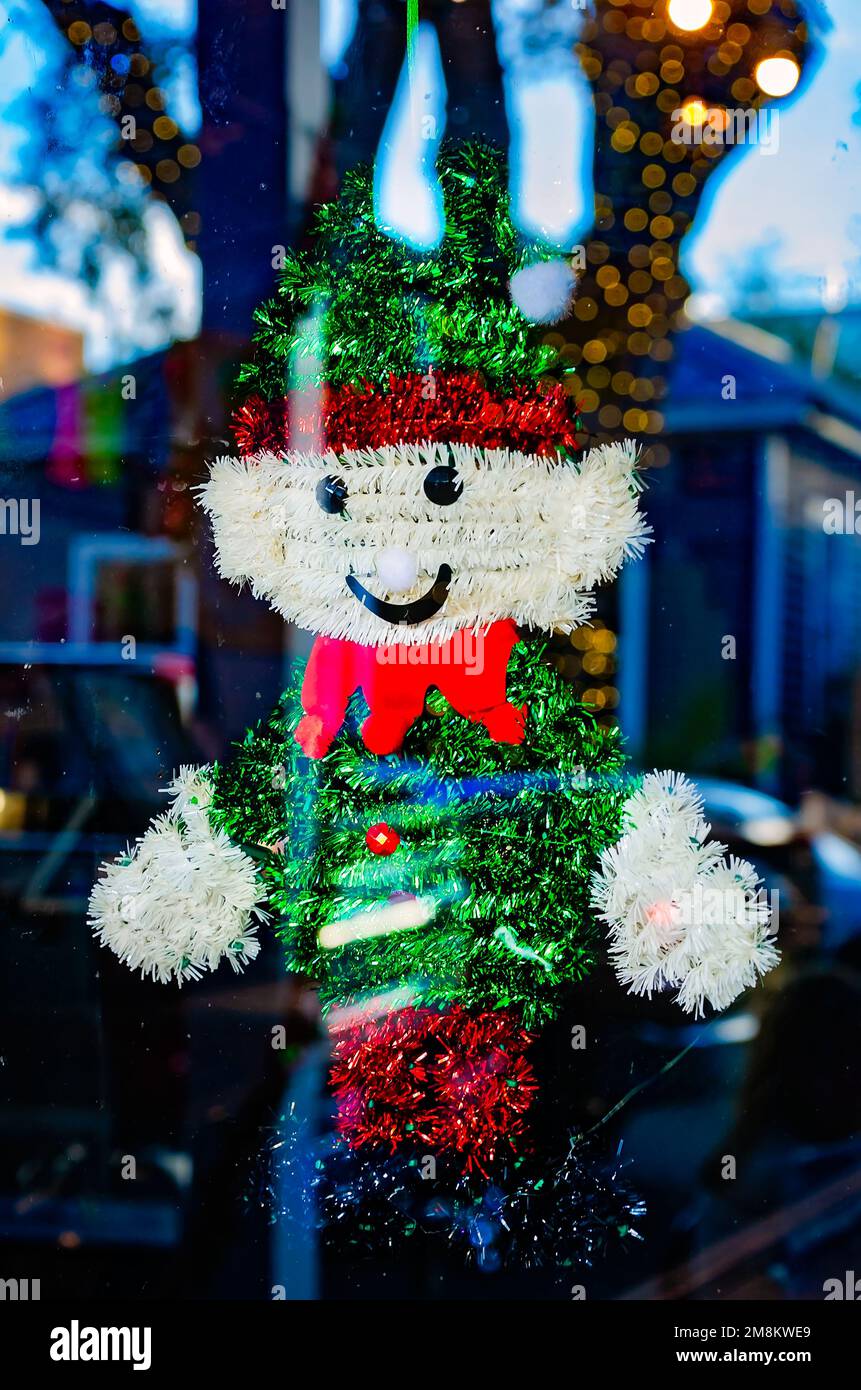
(742, 629)
(34, 353)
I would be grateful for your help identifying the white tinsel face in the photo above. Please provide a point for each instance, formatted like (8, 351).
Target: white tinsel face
(409, 543)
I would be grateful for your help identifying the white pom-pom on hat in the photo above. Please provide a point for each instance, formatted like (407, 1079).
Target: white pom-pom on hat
(185, 898)
(543, 292)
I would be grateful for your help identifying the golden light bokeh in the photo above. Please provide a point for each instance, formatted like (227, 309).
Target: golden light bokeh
(777, 77)
(188, 156)
(695, 112)
(165, 128)
(703, 59)
(690, 14)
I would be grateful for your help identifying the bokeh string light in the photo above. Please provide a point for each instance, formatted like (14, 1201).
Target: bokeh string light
(690, 14)
(645, 63)
(778, 76)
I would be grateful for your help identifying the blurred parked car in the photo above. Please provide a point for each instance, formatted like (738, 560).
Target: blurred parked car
(92, 1058)
(818, 871)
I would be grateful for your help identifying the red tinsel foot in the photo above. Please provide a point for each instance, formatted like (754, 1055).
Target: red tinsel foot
(454, 1082)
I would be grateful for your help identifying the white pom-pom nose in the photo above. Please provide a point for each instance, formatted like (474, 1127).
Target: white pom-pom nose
(397, 568)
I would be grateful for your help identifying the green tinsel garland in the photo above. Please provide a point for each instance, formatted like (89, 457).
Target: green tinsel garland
(504, 838)
(388, 308)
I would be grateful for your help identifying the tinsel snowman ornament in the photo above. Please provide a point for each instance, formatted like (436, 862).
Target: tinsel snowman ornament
(430, 530)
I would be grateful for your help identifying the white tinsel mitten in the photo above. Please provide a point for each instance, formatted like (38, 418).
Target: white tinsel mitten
(680, 913)
(184, 898)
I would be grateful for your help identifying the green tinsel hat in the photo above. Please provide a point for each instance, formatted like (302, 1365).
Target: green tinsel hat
(411, 345)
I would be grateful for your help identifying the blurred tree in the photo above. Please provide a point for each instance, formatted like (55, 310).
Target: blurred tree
(107, 43)
(645, 71)
(99, 143)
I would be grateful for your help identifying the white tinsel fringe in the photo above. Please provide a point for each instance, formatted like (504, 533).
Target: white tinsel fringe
(528, 539)
(184, 898)
(680, 913)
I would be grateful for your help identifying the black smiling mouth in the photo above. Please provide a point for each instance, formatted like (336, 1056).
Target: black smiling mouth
(416, 612)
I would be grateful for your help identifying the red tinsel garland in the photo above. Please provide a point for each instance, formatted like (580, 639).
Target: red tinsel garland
(451, 407)
(454, 1082)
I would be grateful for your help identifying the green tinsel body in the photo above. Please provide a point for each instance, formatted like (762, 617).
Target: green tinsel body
(503, 838)
(388, 308)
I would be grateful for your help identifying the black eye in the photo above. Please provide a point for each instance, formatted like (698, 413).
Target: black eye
(443, 486)
(331, 494)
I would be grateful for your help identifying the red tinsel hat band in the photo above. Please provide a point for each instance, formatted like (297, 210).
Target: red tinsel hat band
(455, 407)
